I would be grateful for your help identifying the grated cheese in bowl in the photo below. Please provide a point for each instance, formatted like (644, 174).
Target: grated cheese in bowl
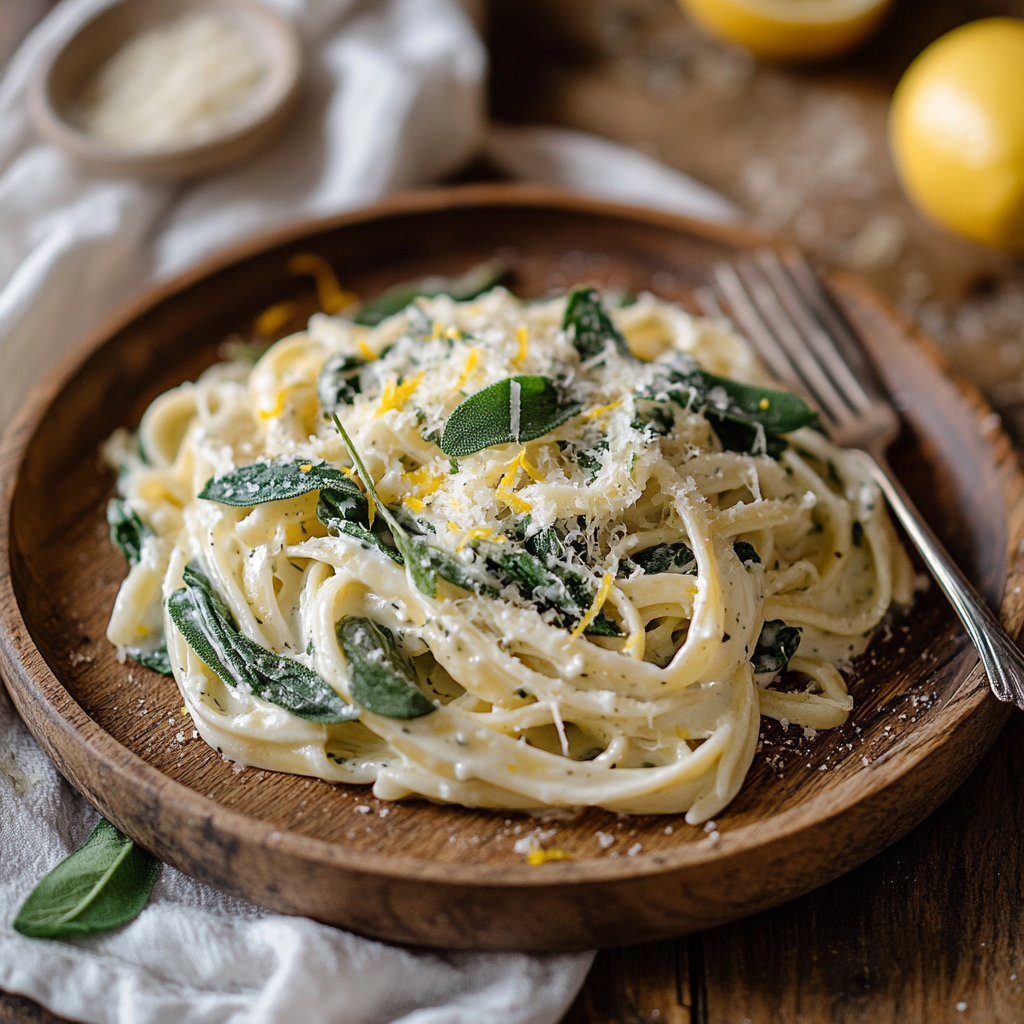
(183, 82)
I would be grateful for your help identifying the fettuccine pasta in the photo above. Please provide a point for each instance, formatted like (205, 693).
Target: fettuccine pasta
(617, 599)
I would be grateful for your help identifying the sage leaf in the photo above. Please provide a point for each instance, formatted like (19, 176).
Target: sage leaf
(746, 552)
(260, 482)
(414, 551)
(746, 418)
(775, 646)
(517, 409)
(338, 382)
(102, 885)
(158, 660)
(779, 412)
(381, 677)
(478, 279)
(423, 561)
(127, 530)
(667, 558)
(589, 325)
(678, 558)
(545, 582)
(207, 625)
(338, 517)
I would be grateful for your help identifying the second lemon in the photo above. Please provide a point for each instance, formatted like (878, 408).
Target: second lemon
(957, 131)
(790, 29)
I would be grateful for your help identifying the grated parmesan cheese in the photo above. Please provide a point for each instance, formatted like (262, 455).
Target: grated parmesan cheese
(183, 82)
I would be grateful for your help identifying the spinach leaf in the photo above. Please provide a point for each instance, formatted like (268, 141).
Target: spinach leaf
(590, 326)
(260, 482)
(775, 646)
(206, 624)
(127, 530)
(518, 409)
(381, 677)
(338, 382)
(102, 885)
(478, 279)
(158, 660)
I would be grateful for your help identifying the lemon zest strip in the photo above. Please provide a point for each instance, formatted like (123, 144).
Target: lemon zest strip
(395, 394)
(332, 297)
(536, 857)
(602, 409)
(602, 596)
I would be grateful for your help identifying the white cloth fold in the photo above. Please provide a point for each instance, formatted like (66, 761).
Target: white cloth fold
(603, 169)
(197, 956)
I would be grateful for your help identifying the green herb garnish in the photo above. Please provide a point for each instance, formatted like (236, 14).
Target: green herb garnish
(545, 580)
(666, 558)
(127, 531)
(158, 660)
(775, 646)
(208, 627)
(381, 677)
(478, 279)
(338, 382)
(102, 885)
(589, 325)
(517, 409)
(260, 482)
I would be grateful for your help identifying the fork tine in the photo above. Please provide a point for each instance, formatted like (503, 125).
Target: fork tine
(835, 325)
(754, 325)
(807, 372)
(709, 304)
(828, 356)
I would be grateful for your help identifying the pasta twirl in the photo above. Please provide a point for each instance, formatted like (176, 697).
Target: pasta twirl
(561, 557)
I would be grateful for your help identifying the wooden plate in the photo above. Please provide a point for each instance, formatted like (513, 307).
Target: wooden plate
(446, 876)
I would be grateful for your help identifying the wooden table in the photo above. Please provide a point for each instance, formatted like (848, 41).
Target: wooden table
(930, 931)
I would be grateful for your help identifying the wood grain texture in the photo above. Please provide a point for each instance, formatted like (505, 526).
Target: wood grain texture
(449, 876)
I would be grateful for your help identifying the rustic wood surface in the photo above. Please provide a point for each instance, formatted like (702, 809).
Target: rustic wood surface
(810, 809)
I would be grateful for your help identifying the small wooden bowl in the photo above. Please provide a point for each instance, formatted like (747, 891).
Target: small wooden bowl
(61, 80)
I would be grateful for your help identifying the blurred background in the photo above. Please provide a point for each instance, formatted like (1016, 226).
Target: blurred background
(801, 150)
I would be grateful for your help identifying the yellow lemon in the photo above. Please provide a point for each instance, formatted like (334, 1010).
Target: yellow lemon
(790, 29)
(957, 131)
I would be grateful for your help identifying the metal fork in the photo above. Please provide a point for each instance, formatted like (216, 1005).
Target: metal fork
(808, 344)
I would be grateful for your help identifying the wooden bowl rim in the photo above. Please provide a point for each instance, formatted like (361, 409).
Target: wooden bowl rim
(42, 684)
(181, 161)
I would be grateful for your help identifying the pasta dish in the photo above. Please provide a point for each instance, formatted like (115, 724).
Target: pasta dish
(501, 554)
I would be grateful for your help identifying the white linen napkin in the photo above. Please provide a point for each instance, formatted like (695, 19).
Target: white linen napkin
(605, 170)
(395, 102)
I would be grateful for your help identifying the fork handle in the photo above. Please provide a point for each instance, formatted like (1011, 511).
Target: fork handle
(1002, 660)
